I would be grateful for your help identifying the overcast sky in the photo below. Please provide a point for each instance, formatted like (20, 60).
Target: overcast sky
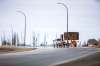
(47, 17)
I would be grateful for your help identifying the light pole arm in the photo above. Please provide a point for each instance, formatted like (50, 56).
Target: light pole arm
(63, 5)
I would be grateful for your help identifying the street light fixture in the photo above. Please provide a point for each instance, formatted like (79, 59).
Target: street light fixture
(67, 19)
(24, 27)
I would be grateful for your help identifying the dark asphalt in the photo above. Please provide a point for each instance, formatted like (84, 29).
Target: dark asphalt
(91, 60)
(47, 58)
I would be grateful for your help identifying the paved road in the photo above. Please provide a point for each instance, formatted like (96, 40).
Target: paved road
(91, 60)
(44, 57)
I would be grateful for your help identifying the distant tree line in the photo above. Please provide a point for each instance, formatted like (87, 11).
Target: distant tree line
(13, 42)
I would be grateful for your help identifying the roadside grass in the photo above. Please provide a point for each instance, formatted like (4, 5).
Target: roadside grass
(14, 49)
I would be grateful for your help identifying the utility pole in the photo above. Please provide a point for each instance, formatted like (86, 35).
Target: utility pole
(24, 26)
(67, 19)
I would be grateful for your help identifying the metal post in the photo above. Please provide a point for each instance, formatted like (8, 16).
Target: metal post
(24, 27)
(67, 19)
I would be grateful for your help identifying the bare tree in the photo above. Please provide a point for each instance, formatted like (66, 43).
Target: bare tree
(17, 39)
(14, 38)
(84, 44)
(34, 40)
(3, 40)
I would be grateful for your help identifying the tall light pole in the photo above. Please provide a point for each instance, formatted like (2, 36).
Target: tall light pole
(67, 18)
(24, 26)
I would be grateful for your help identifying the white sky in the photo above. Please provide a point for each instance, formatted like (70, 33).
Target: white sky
(47, 17)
